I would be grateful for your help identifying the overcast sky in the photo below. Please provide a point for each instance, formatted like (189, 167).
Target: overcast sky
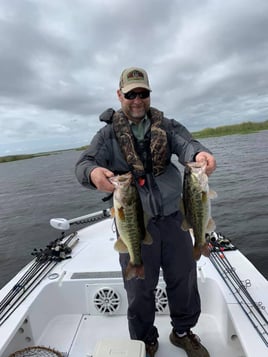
(60, 63)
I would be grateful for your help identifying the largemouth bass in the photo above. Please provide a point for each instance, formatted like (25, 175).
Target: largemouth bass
(197, 206)
(129, 218)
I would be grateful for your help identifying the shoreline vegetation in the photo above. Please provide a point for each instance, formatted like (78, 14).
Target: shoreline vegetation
(237, 129)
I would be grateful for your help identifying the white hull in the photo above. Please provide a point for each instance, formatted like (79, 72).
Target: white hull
(81, 302)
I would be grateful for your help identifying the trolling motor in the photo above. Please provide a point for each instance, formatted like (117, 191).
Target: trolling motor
(64, 224)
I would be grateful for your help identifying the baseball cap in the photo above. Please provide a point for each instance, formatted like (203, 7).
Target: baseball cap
(133, 77)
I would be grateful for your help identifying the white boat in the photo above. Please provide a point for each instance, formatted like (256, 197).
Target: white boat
(70, 301)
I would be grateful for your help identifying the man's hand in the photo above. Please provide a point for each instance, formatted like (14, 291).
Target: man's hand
(209, 159)
(99, 177)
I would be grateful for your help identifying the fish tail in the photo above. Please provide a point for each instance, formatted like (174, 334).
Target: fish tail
(197, 253)
(201, 250)
(134, 271)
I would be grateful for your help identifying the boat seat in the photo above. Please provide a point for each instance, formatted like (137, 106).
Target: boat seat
(122, 347)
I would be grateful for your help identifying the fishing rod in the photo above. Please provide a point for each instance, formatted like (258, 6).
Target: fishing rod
(55, 251)
(20, 285)
(45, 261)
(16, 300)
(242, 286)
(238, 288)
(252, 309)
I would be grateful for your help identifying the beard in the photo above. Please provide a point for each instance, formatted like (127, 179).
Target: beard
(136, 113)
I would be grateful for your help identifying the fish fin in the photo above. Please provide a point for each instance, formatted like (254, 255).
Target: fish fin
(120, 246)
(148, 240)
(181, 206)
(211, 226)
(121, 213)
(147, 237)
(203, 250)
(197, 253)
(212, 194)
(185, 226)
(112, 211)
(134, 271)
(140, 272)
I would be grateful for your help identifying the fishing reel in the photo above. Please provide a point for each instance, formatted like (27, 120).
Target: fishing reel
(219, 242)
(56, 250)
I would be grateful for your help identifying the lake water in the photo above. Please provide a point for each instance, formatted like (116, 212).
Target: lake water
(33, 191)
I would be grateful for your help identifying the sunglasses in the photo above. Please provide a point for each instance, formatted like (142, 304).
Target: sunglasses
(132, 95)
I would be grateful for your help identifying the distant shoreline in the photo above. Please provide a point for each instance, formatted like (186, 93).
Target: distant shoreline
(241, 129)
(237, 129)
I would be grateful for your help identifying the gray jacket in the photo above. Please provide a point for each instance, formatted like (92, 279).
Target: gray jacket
(161, 194)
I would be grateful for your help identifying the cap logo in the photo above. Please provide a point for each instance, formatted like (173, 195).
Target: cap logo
(135, 75)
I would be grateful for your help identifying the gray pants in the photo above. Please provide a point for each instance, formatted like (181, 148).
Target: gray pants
(172, 250)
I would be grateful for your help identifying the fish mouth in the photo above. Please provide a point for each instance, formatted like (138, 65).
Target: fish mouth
(121, 180)
(196, 165)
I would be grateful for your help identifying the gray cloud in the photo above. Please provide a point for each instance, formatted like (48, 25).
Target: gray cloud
(60, 63)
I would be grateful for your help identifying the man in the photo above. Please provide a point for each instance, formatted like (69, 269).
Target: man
(138, 138)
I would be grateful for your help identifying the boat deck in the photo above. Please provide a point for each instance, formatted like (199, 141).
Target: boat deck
(68, 311)
(90, 329)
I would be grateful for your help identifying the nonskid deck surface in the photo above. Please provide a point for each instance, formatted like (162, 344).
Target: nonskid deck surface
(88, 330)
